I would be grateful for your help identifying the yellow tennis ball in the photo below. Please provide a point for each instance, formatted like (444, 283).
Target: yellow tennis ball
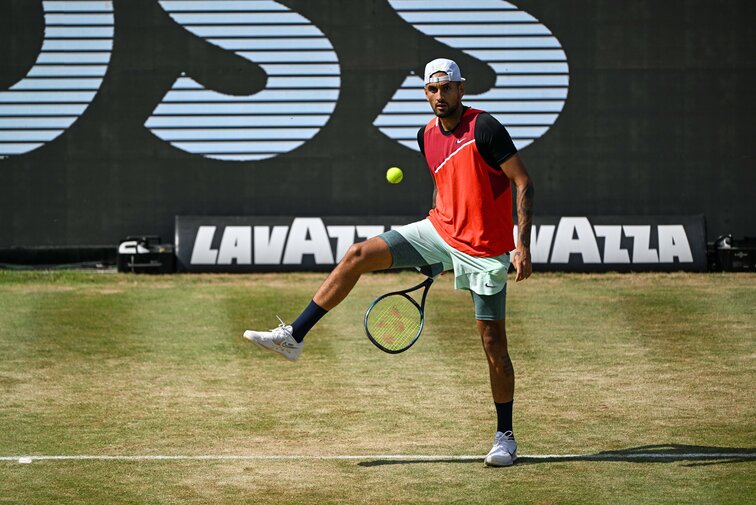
(394, 175)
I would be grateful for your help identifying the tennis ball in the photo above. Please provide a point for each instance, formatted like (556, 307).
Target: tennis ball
(394, 175)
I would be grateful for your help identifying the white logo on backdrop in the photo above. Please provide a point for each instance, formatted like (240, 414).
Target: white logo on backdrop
(577, 236)
(65, 78)
(571, 240)
(299, 97)
(275, 245)
(304, 76)
(532, 75)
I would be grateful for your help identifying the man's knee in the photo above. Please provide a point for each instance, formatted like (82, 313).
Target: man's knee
(494, 337)
(367, 256)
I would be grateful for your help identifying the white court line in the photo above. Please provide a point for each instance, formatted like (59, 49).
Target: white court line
(390, 457)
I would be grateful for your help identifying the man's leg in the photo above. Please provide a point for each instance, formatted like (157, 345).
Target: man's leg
(373, 254)
(494, 337)
(490, 315)
(369, 256)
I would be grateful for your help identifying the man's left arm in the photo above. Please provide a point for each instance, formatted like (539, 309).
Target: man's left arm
(515, 169)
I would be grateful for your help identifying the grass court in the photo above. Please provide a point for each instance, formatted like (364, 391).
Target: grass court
(635, 388)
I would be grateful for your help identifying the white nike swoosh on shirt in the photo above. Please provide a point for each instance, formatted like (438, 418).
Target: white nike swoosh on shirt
(452, 155)
(460, 141)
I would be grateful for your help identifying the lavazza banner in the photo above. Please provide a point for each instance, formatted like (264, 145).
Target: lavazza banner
(568, 244)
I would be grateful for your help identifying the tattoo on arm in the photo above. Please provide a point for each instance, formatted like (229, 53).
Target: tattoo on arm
(525, 212)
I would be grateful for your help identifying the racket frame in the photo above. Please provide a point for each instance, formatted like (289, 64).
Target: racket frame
(419, 306)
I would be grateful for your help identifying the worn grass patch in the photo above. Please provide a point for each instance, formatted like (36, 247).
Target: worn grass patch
(108, 364)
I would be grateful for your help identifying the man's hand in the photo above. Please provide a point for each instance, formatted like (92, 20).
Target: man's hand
(522, 263)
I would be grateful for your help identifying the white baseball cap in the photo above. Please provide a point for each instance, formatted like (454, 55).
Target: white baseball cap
(449, 67)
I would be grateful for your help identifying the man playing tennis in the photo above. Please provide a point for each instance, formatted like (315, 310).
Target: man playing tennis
(469, 231)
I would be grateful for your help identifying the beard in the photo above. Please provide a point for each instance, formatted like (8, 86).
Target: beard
(450, 110)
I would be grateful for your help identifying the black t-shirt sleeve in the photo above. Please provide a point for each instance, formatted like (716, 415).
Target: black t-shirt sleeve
(421, 139)
(493, 140)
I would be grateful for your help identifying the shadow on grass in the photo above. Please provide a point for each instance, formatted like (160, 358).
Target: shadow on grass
(698, 455)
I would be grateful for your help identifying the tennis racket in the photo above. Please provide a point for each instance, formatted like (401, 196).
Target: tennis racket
(394, 321)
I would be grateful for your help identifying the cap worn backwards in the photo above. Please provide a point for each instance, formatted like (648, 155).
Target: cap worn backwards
(449, 67)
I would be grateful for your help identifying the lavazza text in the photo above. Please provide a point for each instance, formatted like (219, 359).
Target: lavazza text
(316, 241)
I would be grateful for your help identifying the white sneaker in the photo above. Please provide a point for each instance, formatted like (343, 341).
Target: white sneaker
(277, 340)
(504, 450)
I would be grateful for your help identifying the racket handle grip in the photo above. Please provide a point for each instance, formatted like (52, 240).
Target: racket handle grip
(432, 271)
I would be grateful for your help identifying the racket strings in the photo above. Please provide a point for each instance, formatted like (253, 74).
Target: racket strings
(394, 322)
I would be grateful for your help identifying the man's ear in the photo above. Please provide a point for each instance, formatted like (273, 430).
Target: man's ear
(461, 89)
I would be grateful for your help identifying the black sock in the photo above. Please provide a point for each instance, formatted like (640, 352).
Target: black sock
(307, 320)
(504, 417)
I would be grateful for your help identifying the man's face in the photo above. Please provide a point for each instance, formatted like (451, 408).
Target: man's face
(444, 97)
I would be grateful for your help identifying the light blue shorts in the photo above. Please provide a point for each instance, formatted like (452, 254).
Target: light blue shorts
(419, 244)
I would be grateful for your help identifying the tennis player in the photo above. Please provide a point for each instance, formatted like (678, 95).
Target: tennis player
(468, 231)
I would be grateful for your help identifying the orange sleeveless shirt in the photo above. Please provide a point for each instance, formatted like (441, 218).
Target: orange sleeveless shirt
(473, 210)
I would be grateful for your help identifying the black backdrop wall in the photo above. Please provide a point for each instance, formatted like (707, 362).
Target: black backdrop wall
(658, 120)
